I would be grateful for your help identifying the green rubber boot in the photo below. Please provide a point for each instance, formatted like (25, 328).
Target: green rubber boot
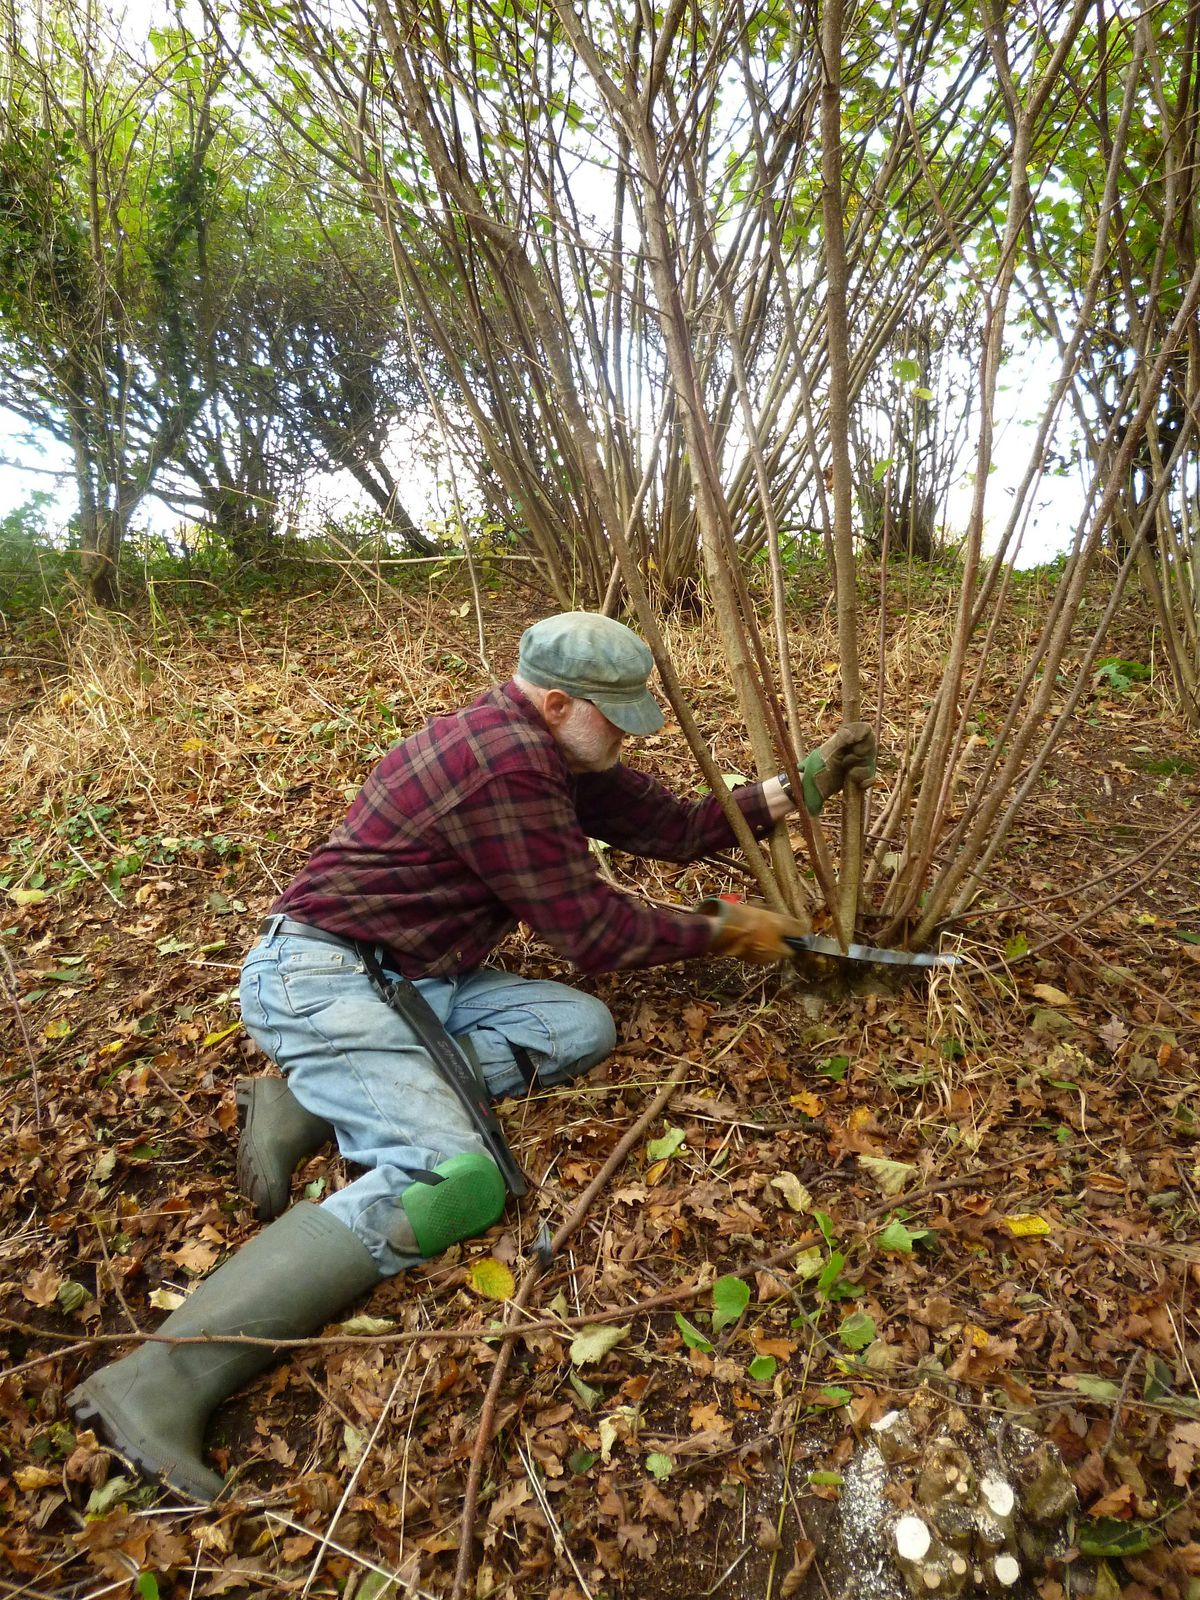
(153, 1406)
(276, 1135)
(467, 1201)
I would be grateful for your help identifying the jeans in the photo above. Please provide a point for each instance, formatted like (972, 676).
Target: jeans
(350, 1059)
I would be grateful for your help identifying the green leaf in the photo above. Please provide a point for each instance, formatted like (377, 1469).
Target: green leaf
(1158, 1378)
(1095, 1388)
(808, 1263)
(825, 1480)
(905, 369)
(762, 1369)
(72, 1295)
(101, 1501)
(831, 1272)
(1109, 1537)
(147, 1586)
(592, 1344)
(922, 394)
(897, 1239)
(833, 1395)
(590, 1397)
(581, 1461)
(662, 1149)
(377, 1586)
(857, 1331)
(730, 1298)
(659, 1466)
(692, 1336)
(834, 1067)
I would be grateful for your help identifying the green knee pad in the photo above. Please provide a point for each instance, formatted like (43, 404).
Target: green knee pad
(469, 1199)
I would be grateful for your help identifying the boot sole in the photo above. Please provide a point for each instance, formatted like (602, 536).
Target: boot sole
(90, 1409)
(251, 1183)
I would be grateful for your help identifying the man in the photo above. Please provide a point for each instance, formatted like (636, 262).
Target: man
(477, 823)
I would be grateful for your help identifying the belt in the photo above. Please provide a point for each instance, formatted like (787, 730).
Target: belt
(303, 930)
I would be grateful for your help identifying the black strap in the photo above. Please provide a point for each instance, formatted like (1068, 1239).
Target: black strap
(525, 1065)
(408, 1002)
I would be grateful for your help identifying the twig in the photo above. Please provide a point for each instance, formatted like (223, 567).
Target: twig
(552, 1521)
(113, 1277)
(10, 983)
(91, 871)
(1120, 1401)
(352, 1555)
(327, 1536)
(487, 1416)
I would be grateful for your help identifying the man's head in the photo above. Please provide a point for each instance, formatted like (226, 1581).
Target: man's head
(588, 676)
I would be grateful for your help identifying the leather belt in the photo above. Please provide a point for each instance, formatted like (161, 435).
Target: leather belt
(303, 930)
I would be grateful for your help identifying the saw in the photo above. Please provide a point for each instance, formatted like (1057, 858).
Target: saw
(820, 944)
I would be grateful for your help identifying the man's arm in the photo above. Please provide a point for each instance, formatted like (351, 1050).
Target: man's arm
(519, 834)
(634, 812)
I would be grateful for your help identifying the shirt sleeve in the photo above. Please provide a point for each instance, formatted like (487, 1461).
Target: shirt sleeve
(520, 835)
(634, 812)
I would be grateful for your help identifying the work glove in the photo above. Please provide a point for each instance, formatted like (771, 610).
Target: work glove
(751, 933)
(847, 756)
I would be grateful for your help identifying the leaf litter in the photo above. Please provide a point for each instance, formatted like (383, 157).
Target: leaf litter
(1032, 1133)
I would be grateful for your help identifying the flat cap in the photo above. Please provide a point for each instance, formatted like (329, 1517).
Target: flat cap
(593, 658)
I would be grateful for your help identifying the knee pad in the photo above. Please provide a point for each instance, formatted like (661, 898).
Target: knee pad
(468, 1199)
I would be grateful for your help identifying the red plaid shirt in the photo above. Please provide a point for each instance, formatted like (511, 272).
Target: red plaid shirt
(476, 823)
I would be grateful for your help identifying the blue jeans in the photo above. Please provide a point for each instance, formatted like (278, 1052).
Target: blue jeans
(350, 1059)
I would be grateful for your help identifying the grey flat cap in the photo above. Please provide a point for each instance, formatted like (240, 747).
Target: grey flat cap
(593, 658)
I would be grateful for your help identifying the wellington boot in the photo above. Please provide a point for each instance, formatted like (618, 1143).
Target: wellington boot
(153, 1406)
(276, 1135)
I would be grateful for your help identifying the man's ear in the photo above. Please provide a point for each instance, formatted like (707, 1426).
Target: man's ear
(556, 707)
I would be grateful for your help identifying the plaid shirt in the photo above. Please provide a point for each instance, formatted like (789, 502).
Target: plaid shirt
(476, 823)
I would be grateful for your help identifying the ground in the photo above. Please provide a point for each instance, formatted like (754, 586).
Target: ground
(981, 1183)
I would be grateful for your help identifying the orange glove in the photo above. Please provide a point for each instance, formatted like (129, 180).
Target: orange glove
(751, 933)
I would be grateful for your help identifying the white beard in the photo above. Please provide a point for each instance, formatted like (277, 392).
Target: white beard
(588, 740)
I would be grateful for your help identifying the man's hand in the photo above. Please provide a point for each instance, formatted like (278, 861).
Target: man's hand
(848, 756)
(751, 933)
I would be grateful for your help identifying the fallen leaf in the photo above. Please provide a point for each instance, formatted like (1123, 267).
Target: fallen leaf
(1052, 996)
(592, 1344)
(810, 1104)
(891, 1176)
(41, 1286)
(1027, 1225)
(28, 1479)
(1182, 1451)
(793, 1191)
(491, 1278)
